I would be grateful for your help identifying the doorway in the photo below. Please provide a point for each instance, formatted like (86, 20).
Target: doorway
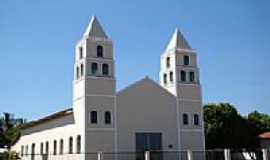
(150, 142)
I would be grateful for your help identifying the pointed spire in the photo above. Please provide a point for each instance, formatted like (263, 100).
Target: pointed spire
(94, 29)
(178, 41)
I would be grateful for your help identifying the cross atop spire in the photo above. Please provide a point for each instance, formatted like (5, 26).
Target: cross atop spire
(178, 41)
(94, 29)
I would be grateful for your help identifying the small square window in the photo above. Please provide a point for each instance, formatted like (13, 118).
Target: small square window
(191, 76)
(185, 119)
(105, 69)
(186, 60)
(165, 78)
(196, 120)
(93, 117)
(108, 117)
(94, 68)
(81, 52)
(168, 63)
(183, 76)
(171, 76)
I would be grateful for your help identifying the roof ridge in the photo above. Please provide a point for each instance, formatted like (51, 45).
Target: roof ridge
(178, 41)
(54, 115)
(94, 29)
(141, 80)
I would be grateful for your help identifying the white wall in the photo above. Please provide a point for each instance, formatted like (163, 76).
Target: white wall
(146, 107)
(50, 131)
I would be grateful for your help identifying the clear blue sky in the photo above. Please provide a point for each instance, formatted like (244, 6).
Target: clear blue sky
(37, 39)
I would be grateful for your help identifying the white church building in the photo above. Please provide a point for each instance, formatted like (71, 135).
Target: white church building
(146, 115)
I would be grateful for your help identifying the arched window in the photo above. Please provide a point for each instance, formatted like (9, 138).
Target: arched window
(171, 76)
(81, 52)
(186, 60)
(105, 69)
(70, 151)
(185, 119)
(54, 147)
(22, 150)
(183, 76)
(26, 150)
(191, 76)
(33, 150)
(82, 69)
(168, 63)
(78, 144)
(77, 72)
(61, 149)
(47, 147)
(107, 117)
(94, 68)
(99, 51)
(196, 119)
(165, 78)
(41, 148)
(93, 117)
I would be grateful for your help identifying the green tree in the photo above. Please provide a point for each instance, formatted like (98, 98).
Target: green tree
(9, 130)
(226, 128)
(260, 121)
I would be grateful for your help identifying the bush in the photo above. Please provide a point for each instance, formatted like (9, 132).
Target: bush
(12, 155)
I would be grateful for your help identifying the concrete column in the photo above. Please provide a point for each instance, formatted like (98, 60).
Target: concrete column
(190, 155)
(147, 155)
(227, 154)
(100, 157)
(265, 152)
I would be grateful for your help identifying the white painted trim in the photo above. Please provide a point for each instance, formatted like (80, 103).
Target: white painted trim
(84, 119)
(99, 59)
(191, 130)
(79, 98)
(115, 126)
(174, 50)
(184, 67)
(97, 39)
(192, 51)
(100, 77)
(188, 83)
(178, 125)
(96, 59)
(79, 61)
(75, 81)
(100, 95)
(189, 100)
(100, 129)
(202, 122)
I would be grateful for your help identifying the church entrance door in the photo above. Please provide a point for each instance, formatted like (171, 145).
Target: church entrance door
(150, 142)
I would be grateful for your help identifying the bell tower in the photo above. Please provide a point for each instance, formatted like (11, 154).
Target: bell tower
(179, 74)
(179, 66)
(94, 89)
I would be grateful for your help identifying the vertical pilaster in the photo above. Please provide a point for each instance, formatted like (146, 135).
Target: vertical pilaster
(227, 154)
(265, 154)
(190, 154)
(147, 155)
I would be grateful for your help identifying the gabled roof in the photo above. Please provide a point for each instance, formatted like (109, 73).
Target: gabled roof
(69, 111)
(143, 82)
(178, 41)
(94, 29)
(48, 118)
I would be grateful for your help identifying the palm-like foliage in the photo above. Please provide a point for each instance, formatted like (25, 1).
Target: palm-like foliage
(9, 131)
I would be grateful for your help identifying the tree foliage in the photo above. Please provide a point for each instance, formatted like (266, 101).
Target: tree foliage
(259, 120)
(226, 128)
(9, 131)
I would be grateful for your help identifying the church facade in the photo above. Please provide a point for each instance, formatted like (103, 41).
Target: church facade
(143, 116)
